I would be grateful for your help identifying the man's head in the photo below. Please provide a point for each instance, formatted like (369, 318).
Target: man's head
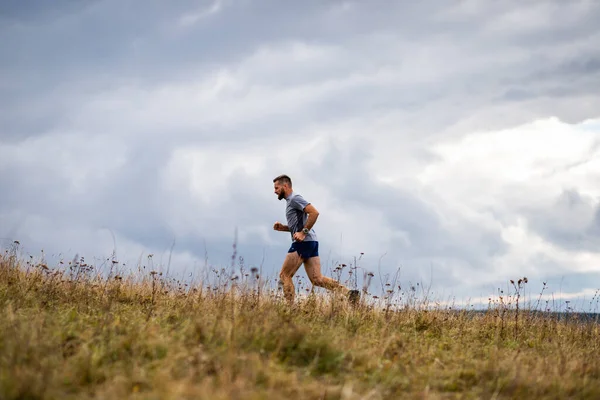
(283, 186)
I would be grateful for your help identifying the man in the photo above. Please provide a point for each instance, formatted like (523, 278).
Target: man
(301, 217)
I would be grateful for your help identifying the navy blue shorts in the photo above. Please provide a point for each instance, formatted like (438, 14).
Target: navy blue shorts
(305, 249)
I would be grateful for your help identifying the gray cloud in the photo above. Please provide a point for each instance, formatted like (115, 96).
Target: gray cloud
(419, 237)
(571, 221)
(102, 102)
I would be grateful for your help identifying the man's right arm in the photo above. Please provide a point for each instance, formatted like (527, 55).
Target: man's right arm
(280, 227)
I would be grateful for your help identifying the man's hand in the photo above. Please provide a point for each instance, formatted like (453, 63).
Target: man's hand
(278, 226)
(299, 236)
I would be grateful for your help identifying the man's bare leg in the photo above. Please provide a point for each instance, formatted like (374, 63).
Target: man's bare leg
(313, 270)
(290, 266)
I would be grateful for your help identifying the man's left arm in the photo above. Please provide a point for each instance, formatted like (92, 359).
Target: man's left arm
(313, 214)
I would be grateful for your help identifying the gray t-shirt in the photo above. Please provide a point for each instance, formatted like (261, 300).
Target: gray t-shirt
(296, 217)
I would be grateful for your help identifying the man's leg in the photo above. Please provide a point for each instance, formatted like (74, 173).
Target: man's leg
(290, 266)
(313, 270)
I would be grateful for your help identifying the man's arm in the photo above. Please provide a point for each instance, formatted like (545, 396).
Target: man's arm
(313, 214)
(278, 226)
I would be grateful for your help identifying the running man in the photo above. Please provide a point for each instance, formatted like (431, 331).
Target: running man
(301, 217)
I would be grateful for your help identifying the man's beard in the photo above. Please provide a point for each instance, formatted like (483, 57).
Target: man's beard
(281, 196)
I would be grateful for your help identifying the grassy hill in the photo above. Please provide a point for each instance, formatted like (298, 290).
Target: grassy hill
(67, 333)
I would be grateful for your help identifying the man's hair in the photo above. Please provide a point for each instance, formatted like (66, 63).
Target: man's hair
(283, 179)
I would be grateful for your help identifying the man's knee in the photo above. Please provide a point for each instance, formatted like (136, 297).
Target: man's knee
(285, 276)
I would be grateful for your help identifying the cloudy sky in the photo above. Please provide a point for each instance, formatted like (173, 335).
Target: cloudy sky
(458, 141)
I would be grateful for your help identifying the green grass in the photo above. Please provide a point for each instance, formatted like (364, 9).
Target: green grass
(65, 336)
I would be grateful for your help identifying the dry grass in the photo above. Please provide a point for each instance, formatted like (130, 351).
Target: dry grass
(70, 333)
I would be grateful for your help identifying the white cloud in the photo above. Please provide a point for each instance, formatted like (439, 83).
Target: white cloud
(536, 157)
(494, 177)
(79, 159)
(191, 18)
(533, 17)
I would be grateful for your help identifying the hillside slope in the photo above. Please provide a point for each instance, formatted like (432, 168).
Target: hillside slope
(71, 334)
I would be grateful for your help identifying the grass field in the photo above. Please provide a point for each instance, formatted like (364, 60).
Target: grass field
(67, 333)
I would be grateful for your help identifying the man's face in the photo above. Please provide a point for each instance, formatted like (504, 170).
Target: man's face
(279, 190)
